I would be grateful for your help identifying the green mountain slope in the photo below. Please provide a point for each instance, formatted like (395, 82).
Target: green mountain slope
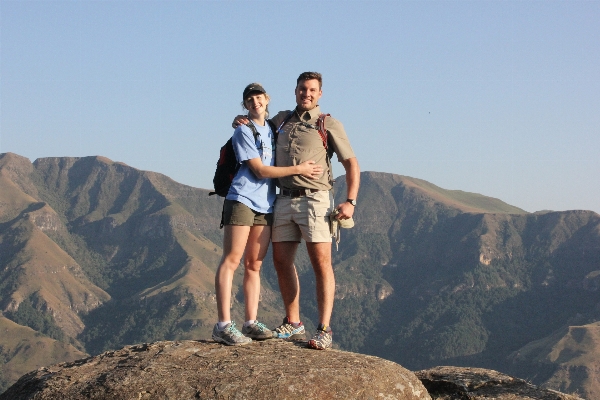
(98, 254)
(446, 284)
(22, 349)
(33, 267)
(566, 360)
(144, 247)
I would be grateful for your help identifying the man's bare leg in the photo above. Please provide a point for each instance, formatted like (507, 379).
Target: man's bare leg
(320, 258)
(284, 254)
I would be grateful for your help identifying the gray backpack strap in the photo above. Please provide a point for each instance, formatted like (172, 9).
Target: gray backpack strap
(253, 129)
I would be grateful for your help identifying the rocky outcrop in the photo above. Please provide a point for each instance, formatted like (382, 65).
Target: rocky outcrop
(454, 383)
(261, 370)
(206, 370)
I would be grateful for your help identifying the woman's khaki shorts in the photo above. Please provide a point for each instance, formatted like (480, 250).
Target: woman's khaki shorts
(236, 213)
(305, 217)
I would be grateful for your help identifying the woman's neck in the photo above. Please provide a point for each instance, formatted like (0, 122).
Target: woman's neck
(257, 119)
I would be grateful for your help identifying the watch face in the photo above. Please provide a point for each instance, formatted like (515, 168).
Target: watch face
(353, 202)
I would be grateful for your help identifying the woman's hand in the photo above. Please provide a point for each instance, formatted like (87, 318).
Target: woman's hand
(310, 170)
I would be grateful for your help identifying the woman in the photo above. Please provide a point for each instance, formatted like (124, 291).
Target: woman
(248, 216)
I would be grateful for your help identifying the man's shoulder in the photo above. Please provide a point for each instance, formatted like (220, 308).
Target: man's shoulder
(332, 124)
(280, 116)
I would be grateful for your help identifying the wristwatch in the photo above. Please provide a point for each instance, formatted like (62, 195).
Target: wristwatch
(351, 201)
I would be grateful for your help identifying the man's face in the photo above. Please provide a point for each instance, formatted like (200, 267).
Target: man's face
(308, 94)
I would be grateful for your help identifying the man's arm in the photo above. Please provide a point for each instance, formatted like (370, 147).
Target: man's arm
(243, 119)
(352, 184)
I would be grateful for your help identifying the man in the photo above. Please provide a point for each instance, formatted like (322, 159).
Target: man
(303, 206)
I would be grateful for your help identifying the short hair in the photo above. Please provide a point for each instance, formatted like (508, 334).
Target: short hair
(305, 76)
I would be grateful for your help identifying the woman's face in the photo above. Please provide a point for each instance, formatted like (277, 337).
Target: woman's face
(256, 104)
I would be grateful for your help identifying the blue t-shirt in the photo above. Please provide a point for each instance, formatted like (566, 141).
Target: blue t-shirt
(258, 194)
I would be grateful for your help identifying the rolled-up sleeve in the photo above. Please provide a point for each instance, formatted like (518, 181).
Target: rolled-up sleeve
(244, 144)
(338, 139)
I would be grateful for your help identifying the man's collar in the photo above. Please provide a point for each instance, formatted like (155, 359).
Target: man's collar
(310, 114)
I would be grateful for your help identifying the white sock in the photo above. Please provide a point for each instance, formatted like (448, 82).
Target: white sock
(222, 325)
(249, 322)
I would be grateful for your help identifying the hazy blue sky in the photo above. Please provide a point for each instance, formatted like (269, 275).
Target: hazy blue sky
(500, 98)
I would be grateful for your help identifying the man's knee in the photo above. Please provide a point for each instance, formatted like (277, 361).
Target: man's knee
(319, 253)
(284, 252)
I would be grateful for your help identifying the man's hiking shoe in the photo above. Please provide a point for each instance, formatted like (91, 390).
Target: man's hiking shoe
(287, 331)
(322, 339)
(258, 331)
(229, 335)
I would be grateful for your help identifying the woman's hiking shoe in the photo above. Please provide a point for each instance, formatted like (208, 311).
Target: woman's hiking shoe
(258, 331)
(229, 335)
(287, 331)
(322, 339)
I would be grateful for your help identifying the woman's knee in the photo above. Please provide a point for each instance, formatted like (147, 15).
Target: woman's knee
(230, 263)
(253, 265)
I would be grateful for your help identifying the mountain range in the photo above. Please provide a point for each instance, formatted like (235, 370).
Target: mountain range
(95, 255)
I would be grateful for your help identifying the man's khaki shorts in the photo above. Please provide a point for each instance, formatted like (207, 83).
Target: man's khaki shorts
(305, 217)
(236, 213)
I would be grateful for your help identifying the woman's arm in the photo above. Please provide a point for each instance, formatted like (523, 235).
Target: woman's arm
(308, 169)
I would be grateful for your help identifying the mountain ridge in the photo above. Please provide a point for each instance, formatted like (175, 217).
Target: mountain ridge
(458, 277)
(464, 201)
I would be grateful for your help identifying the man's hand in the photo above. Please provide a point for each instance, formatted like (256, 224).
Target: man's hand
(346, 210)
(352, 183)
(240, 120)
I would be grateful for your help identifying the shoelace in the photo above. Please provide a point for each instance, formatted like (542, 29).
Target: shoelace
(261, 327)
(233, 330)
(322, 334)
(287, 328)
(322, 339)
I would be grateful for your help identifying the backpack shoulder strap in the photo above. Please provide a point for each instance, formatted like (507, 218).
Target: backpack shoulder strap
(324, 136)
(322, 130)
(273, 129)
(253, 129)
(285, 120)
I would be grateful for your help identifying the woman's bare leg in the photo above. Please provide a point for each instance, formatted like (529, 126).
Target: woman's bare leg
(256, 250)
(234, 243)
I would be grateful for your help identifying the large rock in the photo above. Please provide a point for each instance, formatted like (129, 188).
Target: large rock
(206, 370)
(450, 383)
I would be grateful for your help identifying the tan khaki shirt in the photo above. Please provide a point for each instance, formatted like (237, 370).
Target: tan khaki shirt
(299, 141)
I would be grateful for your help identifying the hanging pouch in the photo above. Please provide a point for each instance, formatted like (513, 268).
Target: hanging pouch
(336, 224)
